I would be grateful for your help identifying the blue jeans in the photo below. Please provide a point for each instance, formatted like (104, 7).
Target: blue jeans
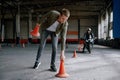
(54, 40)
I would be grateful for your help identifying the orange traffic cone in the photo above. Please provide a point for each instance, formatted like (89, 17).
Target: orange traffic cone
(74, 54)
(62, 73)
(35, 32)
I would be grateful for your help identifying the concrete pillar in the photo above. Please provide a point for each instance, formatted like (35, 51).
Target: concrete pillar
(2, 24)
(18, 26)
(2, 29)
(0, 32)
(30, 27)
(108, 33)
(106, 24)
(102, 27)
(99, 27)
(79, 29)
(14, 28)
(111, 24)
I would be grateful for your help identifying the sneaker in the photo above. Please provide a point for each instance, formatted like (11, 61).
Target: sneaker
(36, 65)
(53, 68)
(89, 52)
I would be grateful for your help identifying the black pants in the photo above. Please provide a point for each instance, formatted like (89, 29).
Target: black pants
(87, 46)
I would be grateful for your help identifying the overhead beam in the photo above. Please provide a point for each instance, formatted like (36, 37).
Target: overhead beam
(72, 8)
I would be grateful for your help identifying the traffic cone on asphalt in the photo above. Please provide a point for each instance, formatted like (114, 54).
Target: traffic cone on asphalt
(74, 54)
(62, 73)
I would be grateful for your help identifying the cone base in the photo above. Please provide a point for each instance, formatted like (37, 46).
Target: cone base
(62, 75)
(33, 34)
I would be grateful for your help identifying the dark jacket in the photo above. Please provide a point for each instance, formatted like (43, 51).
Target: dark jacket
(87, 37)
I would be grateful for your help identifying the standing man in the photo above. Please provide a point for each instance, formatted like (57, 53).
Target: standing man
(53, 23)
(89, 39)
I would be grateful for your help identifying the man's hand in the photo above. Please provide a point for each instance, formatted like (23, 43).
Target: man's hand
(37, 24)
(62, 56)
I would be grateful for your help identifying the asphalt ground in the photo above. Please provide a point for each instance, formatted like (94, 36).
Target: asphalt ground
(102, 64)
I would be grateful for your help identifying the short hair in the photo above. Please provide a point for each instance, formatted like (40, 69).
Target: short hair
(65, 12)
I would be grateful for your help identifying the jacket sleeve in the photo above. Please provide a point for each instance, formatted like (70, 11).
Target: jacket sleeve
(63, 36)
